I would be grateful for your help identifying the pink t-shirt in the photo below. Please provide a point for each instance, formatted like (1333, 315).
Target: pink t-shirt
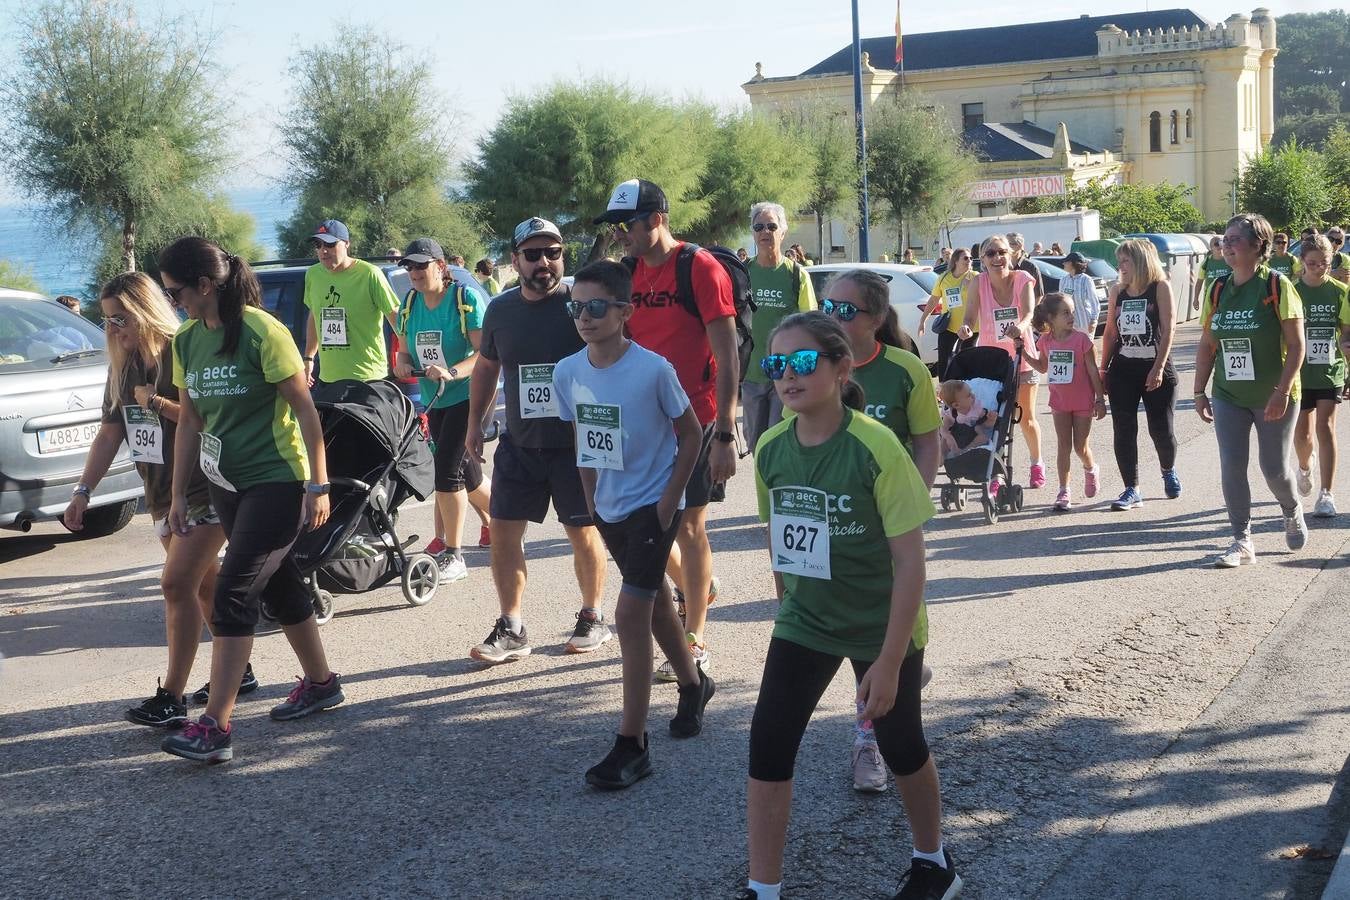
(994, 318)
(1068, 360)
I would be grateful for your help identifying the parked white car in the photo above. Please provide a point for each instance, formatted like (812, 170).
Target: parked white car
(910, 289)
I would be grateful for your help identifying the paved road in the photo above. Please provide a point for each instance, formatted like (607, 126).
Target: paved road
(1111, 718)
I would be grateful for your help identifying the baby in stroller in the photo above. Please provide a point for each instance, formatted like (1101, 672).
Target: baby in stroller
(965, 421)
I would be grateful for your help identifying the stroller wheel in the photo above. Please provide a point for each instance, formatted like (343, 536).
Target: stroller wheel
(1015, 497)
(947, 500)
(990, 510)
(960, 498)
(323, 607)
(420, 579)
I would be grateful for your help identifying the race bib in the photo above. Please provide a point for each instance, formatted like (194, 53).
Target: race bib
(1133, 317)
(1237, 359)
(537, 400)
(1321, 346)
(953, 295)
(1004, 316)
(1061, 367)
(333, 325)
(799, 531)
(145, 435)
(599, 436)
(210, 461)
(428, 347)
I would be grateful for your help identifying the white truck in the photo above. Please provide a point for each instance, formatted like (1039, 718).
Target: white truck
(1048, 228)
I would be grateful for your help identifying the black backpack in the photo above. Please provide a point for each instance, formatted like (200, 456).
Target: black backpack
(740, 293)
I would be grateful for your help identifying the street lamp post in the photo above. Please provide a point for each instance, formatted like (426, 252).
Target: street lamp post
(862, 138)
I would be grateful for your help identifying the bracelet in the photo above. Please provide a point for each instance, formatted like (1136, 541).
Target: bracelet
(307, 358)
(80, 489)
(1198, 394)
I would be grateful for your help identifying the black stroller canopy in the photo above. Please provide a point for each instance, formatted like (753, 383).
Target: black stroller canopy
(380, 410)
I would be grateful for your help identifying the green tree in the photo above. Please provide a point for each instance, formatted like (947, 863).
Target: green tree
(1311, 99)
(1126, 208)
(559, 152)
(107, 116)
(826, 131)
(17, 278)
(369, 141)
(1336, 163)
(1314, 50)
(1287, 185)
(752, 158)
(1309, 131)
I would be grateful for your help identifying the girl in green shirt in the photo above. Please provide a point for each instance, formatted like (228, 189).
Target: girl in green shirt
(1326, 318)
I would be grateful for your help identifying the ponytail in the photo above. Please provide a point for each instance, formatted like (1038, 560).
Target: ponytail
(1051, 305)
(853, 396)
(191, 258)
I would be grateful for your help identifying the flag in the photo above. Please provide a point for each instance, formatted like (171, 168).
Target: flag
(899, 38)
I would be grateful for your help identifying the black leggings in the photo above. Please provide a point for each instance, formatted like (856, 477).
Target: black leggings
(261, 524)
(795, 678)
(949, 344)
(455, 469)
(1125, 382)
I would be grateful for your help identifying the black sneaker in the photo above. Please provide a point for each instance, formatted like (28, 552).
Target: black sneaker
(309, 696)
(163, 710)
(200, 741)
(926, 880)
(625, 766)
(247, 685)
(688, 719)
(747, 894)
(502, 644)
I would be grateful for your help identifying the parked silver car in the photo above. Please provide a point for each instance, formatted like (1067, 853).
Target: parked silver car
(910, 288)
(53, 368)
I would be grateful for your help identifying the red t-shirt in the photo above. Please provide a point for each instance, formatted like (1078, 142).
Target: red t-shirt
(661, 324)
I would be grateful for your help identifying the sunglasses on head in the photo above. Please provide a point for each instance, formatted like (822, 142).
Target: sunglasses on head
(596, 309)
(116, 321)
(803, 362)
(763, 226)
(533, 254)
(626, 225)
(840, 309)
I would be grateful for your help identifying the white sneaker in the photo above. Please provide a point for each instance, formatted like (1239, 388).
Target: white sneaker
(702, 659)
(1326, 505)
(869, 772)
(1304, 482)
(452, 568)
(1239, 553)
(1295, 529)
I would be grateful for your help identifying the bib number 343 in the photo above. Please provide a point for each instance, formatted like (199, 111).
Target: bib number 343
(799, 531)
(599, 436)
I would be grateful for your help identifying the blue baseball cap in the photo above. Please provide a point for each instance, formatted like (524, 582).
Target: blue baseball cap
(330, 231)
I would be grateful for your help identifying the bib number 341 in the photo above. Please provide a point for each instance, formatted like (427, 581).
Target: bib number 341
(799, 531)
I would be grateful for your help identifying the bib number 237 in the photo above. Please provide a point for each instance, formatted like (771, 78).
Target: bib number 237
(799, 531)
(1237, 359)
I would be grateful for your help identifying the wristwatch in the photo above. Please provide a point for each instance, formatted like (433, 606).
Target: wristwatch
(726, 437)
(80, 488)
(319, 488)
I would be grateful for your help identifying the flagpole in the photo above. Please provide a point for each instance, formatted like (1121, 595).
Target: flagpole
(862, 138)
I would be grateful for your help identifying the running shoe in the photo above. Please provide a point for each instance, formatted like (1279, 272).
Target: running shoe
(590, 633)
(1037, 476)
(1239, 553)
(995, 485)
(926, 677)
(435, 548)
(453, 568)
(626, 765)
(1063, 501)
(247, 685)
(926, 880)
(484, 536)
(1295, 529)
(666, 672)
(747, 894)
(713, 588)
(1326, 505)
(502, 644)
(163, 710)
(308, 697)
(688, 720)
(1090, 483)
(1304, 482)
(1171, 484)
(200, 741)
(869, 772)
(1128, 499)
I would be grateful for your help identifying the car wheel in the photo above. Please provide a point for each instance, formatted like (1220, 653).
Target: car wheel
(105, 520)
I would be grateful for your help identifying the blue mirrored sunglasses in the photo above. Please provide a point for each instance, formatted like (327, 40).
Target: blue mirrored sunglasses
(841, 310)
(803, 362)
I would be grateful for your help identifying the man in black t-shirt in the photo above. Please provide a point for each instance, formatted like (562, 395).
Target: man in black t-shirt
(527, 330)
(1020, 261)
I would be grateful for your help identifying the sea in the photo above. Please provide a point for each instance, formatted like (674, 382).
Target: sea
(63, 262)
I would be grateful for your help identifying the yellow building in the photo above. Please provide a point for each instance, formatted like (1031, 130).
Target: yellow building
(1142, 97)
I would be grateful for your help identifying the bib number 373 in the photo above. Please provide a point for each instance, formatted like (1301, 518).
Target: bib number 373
(537, 400)
(1320, 344)
(799, 531)
(145, 435)
(599, 436)
(1238, 364)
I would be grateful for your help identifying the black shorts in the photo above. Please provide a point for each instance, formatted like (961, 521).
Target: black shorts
(524, 479)
(640, 548)
(455, 469)
(700, 491)
(1308, 399)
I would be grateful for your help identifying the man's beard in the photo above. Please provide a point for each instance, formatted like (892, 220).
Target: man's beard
(543, 281)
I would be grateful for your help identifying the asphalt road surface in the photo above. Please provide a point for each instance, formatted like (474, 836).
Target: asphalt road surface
(1111, 717)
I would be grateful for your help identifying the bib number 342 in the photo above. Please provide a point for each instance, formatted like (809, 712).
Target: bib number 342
(799, 531)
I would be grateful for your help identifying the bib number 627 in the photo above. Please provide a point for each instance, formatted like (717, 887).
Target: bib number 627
(800, 537)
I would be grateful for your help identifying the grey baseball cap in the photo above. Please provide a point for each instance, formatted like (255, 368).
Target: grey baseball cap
(534, 227)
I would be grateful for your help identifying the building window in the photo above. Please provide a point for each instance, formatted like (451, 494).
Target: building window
(1155, 132)
(988, 209)
(1173, 128)
(1189, 130)
(972, 115)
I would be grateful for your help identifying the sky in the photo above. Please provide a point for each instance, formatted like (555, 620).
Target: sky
(484, 53)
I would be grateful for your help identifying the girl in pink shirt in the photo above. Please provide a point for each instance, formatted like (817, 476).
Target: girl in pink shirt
(1069, 359)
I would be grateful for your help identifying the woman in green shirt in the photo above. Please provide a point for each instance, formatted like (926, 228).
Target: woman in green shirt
(247, 417)
(1214, 267)
(1253, 345)
(1326, 318)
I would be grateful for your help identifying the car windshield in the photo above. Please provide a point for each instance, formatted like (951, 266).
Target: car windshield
(38, 334)
(1100, 268)
(821, 278)
(926, 279)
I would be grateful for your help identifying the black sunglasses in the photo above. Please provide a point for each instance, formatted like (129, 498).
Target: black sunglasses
(841, 310)
(116, 321)
(533, 254)
(173, 292)
(415, 266)
(596, 309)
(761, 226)
(803, 362)
(323, 245)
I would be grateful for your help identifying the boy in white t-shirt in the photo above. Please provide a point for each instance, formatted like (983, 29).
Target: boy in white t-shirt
(637, 441)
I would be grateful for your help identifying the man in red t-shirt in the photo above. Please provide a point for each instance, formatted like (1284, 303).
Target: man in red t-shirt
(702, 350)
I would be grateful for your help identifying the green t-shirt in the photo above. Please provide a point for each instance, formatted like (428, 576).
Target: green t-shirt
(249, 433)
(1339, 262)
(1251, 344)
(773, 290)
(437, 336)
(491, 285)
(899, 394)
(1325, 312)
(1215, 268)
(874, 493)
(1283, 263)
(351, 338)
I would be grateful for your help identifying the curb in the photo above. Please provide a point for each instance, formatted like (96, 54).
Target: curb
(1338, 886)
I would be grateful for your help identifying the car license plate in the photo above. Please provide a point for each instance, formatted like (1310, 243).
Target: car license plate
(71, 437)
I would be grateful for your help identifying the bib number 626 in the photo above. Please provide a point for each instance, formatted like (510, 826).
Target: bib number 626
(600, 440)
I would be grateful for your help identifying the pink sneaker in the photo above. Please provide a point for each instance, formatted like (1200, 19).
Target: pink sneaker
(1037, 478)
(1062, 502)
(1090, 483)
(435, 548)
(994, 487)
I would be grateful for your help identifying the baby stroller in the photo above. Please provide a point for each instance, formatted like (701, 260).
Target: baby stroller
(377, 458)
(992, 376)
